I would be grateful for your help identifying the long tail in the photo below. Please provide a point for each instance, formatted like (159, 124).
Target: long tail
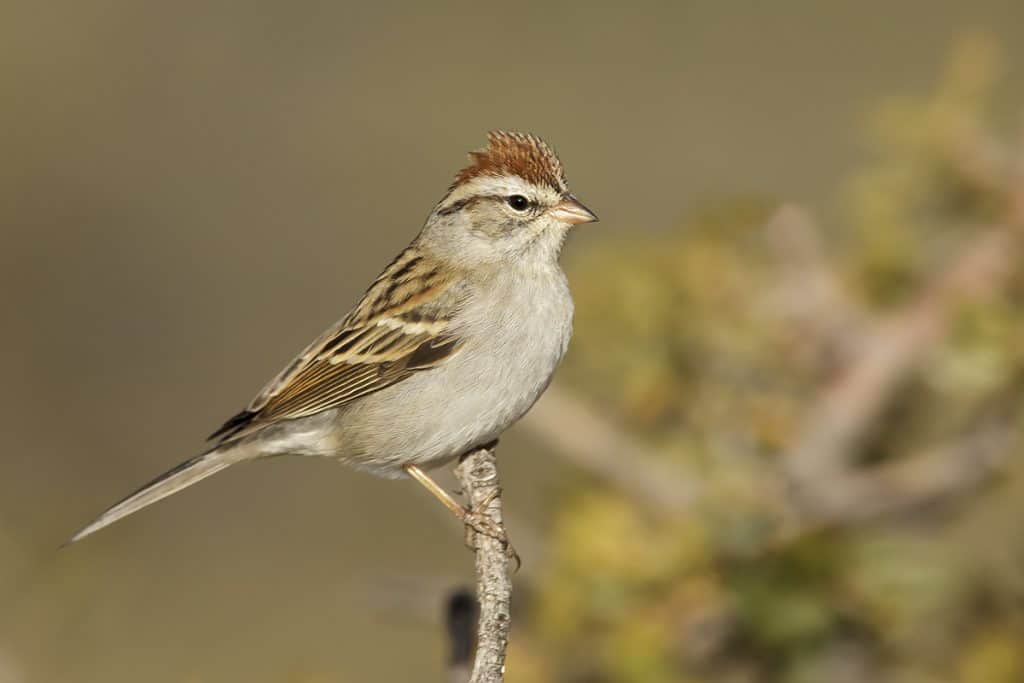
(170, 482)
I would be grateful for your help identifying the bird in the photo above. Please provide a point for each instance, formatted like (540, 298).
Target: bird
(452, 343)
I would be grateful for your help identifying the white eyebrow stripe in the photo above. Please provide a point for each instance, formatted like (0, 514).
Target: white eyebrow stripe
(490, 185)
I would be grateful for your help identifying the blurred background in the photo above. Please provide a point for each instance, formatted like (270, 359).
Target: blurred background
(784, 445)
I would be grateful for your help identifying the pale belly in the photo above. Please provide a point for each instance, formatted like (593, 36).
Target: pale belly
(506, 362)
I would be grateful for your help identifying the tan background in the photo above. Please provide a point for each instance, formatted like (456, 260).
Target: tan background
(189, 192)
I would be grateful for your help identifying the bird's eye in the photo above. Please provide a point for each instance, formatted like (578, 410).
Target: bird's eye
(518, 202)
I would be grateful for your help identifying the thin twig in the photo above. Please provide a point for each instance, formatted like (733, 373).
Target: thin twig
(478, 475)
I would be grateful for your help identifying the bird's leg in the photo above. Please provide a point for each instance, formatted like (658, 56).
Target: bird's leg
(457, 508)
(475, 518)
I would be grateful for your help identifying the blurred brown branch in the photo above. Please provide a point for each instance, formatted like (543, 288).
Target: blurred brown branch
(841, 418)
(477, 472)
(587, 439)
(816, 465)
(810, 294)
(940, 474)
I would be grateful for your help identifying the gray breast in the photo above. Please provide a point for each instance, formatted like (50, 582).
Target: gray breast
(514, 337)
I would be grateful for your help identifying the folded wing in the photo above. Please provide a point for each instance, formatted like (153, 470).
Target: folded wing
(401, 326)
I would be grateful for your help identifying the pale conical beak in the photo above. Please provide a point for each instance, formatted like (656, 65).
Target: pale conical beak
(571, 211)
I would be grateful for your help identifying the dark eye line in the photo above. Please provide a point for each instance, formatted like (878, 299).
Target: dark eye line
(463, 203)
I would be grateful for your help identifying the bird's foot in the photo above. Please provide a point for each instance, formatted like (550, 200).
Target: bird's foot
(477, 521)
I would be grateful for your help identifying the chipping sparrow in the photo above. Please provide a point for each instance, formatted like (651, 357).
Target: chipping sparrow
(454, 341)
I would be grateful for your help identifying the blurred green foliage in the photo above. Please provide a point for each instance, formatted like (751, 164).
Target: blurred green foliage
(696, 342)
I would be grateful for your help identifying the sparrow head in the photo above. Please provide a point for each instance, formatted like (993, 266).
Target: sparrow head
(512, 201)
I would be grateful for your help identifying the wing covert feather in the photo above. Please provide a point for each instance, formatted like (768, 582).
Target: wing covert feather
(401, 326)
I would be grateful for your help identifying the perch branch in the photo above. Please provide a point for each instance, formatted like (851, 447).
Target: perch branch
(478, 475)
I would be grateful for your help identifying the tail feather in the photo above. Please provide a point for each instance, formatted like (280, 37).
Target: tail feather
(170, 482)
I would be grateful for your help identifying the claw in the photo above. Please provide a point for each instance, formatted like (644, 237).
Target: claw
(477, 521)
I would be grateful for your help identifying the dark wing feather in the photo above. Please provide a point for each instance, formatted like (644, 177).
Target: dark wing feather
(401, 326)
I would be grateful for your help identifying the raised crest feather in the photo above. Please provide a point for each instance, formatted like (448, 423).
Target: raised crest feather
(519, 154)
